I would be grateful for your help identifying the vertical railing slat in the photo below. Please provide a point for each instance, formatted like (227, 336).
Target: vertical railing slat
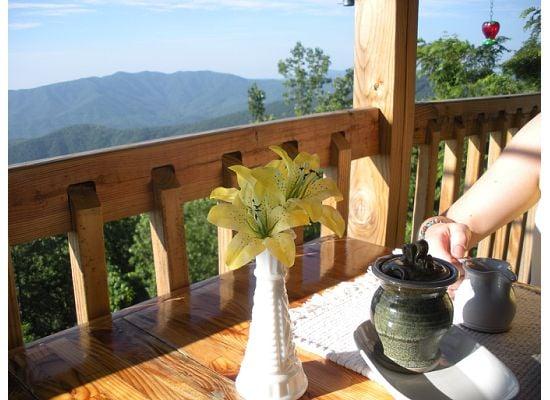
(15, 336)
(340, 160)
(426, 177)
(496, 144)
(229, 179)
(517, 226)
(452, 167)
(501, 235)
(475, 154)
(87, 254)
(168, 232)
(527, 253)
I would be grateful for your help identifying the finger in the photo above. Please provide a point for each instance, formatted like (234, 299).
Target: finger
(438, 242)
(459, 234)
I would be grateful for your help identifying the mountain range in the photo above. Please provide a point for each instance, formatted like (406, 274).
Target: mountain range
(131, 100)
(122, 108)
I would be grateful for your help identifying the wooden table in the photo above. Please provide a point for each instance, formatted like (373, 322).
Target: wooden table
(188, 345)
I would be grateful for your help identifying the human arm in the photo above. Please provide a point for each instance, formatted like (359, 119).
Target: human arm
(507, 189)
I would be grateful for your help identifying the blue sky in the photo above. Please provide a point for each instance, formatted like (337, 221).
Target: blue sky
(54, 41)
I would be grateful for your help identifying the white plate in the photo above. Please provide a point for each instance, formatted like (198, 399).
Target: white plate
(466, 370)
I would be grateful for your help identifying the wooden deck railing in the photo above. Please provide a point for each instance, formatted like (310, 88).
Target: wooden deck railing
(78, 194)
(474, 132)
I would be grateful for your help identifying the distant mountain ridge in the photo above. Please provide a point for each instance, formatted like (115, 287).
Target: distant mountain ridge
(132, 100)
(89, 114)
(86, 137)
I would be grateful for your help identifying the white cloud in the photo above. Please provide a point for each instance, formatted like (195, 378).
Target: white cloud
(24, 25)
(49, 9)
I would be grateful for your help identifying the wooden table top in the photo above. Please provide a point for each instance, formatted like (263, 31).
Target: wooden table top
(188, 345)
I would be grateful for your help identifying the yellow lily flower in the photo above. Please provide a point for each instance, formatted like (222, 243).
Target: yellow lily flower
(305, 187)
(259, 214)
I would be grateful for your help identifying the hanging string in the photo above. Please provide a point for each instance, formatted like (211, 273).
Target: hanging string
(491, 11)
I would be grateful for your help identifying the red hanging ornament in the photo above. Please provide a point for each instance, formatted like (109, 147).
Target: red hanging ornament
(490, 29)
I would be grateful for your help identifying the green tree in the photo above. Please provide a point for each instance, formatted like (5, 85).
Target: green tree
(200, 239)
(256, 104)
(525, 64)
(454, 66)
(341, 96)
(305, 73)
(43, 279)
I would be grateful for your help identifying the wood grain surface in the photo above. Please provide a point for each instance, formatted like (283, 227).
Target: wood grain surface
(167, 232)
(38, 204)
(189, 344)
(385, 31)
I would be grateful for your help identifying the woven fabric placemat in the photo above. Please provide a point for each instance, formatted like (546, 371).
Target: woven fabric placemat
(324, 325)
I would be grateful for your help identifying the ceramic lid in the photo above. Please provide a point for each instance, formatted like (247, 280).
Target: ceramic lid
(415, 268)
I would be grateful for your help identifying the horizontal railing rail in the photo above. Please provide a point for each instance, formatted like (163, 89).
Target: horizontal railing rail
(38, 202)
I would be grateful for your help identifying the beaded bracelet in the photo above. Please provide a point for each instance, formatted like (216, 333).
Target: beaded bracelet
(432, 221)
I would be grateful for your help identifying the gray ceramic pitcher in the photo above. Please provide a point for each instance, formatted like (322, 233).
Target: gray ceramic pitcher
(485, 301)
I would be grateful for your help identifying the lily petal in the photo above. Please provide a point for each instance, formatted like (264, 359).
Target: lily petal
(229, 216)
(312, 207)
(323, 189)
(242, 249)
(282, 247)
(282, 219)
(310, 161)
(224, 194)
(332, 219)
(244, 175)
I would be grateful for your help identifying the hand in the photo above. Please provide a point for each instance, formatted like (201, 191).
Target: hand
(449, 241)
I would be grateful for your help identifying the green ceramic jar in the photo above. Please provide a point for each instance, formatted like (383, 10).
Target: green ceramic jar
(411, 310)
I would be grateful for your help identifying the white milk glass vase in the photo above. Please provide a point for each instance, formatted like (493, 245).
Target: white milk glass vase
(270, 369)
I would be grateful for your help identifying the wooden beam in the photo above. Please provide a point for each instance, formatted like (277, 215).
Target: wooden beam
(340, 170)
(15, 336)
(385, 68)
(168, 232)
(229, 179)
(87, 254)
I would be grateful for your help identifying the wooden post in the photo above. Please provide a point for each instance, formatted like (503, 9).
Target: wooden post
(385, 75)
(168, 232)
(15, 336)
(340, 160)
(87, 254)
(229, 180)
